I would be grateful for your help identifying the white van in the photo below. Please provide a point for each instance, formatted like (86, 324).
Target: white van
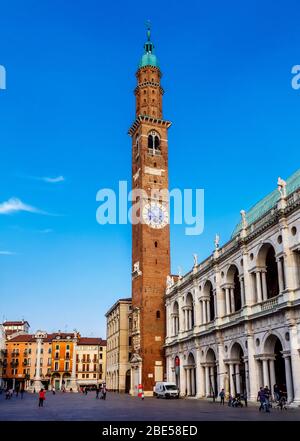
(164, 389)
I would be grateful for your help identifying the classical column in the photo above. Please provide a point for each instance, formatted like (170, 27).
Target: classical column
(237, 379)
(206, 381)
(193, 390)
(181, 316)
(215, 304)
(232, 300)
(258, 287)
(231, 380)
(37, 384)
(212, 380)
(242, 291)
(197, 313)
(208, 310)
(280, 274)
(247, 378)
(272, 375)
(221, 367)
(295, 361)
(227, 302)
(188, 381)
(288, 378)
(266, 372)
(73, 382)
(204, 312)
(199, 374)
(264, 285)
(182, 377)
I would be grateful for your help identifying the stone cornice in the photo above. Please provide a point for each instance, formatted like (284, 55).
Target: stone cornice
(148, 119)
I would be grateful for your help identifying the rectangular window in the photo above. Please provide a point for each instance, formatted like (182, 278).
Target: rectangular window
(83, 367)
(95, 375)
(57, 347)
(67, 366)
(87, 375)
(83, 375)
(100, 356)
(56, 366)
(49, 351)
(87, 367)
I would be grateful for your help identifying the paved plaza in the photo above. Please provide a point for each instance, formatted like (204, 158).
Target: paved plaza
(120, 407)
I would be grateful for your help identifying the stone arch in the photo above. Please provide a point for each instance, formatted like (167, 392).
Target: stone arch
(208, 291)
(276, 366)
(189, 312)
(237, 369)
(190, 373)
(233, 281)
(175, 318)
(266, 261)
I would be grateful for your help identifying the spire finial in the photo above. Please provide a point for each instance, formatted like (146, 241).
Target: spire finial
(148, 27)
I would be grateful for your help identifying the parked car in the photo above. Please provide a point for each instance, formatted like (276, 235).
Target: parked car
(164, 389)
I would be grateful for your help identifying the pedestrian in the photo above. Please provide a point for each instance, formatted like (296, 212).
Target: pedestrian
(42, 397)
(97, 392)
(22, 393)
(222, 397)
(53, 390)
(17, 392)
(7, 394)
(261, 398)
(86, 391)
(267, 397)
(245, 398)
(104, 392)
(276, 391)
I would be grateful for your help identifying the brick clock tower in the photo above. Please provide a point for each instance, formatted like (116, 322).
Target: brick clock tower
(151, 237)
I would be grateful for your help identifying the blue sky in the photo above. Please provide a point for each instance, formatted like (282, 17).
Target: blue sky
(68, 104)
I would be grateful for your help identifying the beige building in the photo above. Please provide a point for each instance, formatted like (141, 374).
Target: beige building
(119, 346)
(90, 361)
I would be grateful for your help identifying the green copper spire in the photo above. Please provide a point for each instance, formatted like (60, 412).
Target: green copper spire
(149, 58)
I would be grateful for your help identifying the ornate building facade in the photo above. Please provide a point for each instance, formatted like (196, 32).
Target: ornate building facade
(233, 321)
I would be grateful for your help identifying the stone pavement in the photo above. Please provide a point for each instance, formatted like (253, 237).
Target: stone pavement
(121, 407)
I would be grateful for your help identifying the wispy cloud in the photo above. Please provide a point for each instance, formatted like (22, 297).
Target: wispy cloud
(7, 253)
(15, 205)
(54, 180)
(45, 231)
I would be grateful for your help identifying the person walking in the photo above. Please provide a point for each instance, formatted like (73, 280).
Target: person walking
(245, 398)
(97, 392)
(104, 392)
(261, 398)
(86, 391)
(267, 398)
(276, 391)
(222, 397)
(22, 393)
(42, 397)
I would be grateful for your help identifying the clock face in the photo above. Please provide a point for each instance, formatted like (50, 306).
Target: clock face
(155, 215)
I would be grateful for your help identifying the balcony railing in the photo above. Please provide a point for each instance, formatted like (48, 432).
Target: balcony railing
(269, 304)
